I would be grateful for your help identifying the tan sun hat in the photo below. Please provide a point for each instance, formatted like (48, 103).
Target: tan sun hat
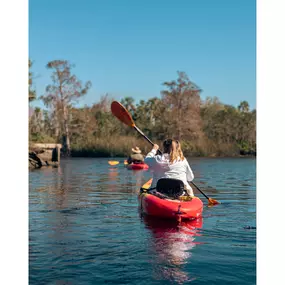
(136, 150)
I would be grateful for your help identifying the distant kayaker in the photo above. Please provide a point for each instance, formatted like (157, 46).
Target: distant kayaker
(136, 156)
(171, 164)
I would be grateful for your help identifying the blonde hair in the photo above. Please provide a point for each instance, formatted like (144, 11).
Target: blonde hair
(179, 150)
(173, 148)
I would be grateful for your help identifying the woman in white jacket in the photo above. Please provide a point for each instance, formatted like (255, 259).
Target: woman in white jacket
(171, 164)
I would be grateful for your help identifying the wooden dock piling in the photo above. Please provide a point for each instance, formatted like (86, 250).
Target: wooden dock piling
(44, 154)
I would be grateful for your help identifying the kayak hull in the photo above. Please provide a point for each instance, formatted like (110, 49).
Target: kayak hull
(170, 209)
(137, 166)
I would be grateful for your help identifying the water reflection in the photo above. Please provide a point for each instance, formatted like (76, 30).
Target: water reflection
(172, 244)
(85, 229)
(113, 173)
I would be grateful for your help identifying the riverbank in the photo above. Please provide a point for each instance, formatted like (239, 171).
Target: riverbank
(121, 147)
(44, 154)
(102, 154)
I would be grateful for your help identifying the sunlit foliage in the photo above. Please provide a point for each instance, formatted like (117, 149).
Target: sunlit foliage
(205, 127)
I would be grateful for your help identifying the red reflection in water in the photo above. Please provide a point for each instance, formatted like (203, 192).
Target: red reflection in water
(113, 173)
(172, 243)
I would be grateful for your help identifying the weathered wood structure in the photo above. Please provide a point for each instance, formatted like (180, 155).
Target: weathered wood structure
(44, 154)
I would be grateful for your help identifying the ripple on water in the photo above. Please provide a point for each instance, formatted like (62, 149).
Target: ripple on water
(85, 227)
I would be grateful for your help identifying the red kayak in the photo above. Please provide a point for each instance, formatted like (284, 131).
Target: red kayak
(137, 166)
(185, 208)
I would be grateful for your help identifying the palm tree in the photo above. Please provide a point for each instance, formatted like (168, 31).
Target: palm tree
(128, 103)
(32, 92)
(243, 107)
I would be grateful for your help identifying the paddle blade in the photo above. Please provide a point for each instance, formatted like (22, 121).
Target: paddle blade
(113, 162)
(147, 184)
(213, 202)
(122, 114)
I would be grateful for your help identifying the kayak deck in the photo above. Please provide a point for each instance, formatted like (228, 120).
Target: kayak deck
(137, 166)
(184, 208)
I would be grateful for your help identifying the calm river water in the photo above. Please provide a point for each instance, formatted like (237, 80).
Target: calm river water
(85, 227)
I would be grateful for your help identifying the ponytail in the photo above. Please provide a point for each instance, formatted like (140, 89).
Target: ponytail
(179, 150)
(173, 148)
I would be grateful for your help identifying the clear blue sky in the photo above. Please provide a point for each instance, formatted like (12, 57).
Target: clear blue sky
(129, 47)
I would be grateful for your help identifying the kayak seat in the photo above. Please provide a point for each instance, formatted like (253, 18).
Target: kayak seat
(173, 188)
(166, 188)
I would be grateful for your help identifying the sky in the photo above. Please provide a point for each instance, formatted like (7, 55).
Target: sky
(129, 48)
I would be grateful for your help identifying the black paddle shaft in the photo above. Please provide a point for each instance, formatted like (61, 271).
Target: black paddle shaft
(200, 190)
(141, 133)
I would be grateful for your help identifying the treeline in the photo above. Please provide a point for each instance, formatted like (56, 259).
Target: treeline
(205, 128)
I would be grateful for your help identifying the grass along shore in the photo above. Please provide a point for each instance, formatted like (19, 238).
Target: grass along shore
(121, 147)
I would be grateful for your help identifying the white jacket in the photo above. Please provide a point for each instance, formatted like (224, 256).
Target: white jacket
(162, 168)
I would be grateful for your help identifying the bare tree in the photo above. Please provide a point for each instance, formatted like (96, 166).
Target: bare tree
(183, 98)
(60, 95)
